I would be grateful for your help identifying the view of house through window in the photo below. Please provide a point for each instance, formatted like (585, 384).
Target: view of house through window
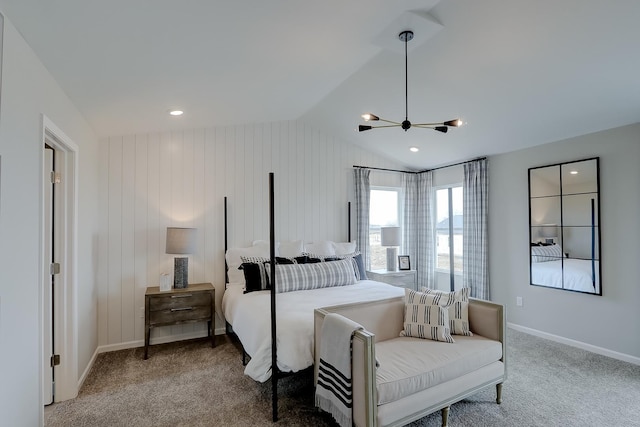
(449, 221)
(384, 211)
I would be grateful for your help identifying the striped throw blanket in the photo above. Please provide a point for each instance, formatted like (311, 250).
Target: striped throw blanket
(333, 391)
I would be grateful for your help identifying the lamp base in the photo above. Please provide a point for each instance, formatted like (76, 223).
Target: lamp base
(392, 256)
(180, 272)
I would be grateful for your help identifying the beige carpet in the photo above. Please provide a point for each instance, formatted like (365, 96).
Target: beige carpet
(191, 384)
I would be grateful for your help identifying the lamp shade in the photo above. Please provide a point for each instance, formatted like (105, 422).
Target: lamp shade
(181, 240)
(549, 230)
(390, 236)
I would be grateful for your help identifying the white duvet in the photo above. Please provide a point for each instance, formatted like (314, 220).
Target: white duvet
(570, 273)
(249, 314)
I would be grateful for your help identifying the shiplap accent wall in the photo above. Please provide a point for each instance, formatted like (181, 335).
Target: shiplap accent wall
(153, 181)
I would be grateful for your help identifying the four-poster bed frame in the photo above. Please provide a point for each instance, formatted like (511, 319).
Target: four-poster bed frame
(275, 371)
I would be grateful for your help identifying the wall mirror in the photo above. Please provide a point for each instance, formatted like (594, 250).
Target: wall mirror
(564, 226)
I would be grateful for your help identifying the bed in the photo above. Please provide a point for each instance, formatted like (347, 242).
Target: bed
(276, 329)
(249, 316)
(567, 273)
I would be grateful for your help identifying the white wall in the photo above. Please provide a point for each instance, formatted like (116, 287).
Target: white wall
(610, 321)
(152, 181)
(28, 91)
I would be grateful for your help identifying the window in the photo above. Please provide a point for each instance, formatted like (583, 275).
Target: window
(449, 231)
(384, 211)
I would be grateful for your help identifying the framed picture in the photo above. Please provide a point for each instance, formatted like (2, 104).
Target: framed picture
(403, 262)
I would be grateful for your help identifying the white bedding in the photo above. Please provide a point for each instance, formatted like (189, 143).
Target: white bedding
(249, 314)
(577, 274)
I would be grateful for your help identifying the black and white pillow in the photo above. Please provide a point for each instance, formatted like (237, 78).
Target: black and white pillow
(255, 271)
(457, 304)
(355, 257)
(546, 253)
(299, 277)
(425, 318)
(255, 275)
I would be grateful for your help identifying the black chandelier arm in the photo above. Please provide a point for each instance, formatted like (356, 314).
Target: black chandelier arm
(363, 128)
(386, 126)
(387, 121)
(442, 129)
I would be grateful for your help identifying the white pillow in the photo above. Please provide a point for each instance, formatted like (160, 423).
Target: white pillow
(457, 304)
(344, 248)
(424, 318)
(324, 248)
(233, 260)
(290, 249)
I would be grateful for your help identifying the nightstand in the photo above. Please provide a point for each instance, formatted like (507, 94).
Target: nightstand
(195, 303)
(403, 278)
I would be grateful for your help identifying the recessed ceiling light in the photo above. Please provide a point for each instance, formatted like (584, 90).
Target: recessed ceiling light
(574, 172)
(414, 149)
(176, 112)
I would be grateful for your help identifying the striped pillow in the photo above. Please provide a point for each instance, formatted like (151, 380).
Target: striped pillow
(424, 318)
(355, 257)
(546, 253)
(255, 271)
(300, 277)
(457, 304)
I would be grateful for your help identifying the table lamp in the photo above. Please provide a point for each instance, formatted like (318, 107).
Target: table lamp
(181, 241)
(390, 237)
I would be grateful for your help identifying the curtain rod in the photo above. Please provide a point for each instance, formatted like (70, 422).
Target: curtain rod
(454, 164)
(426, 170)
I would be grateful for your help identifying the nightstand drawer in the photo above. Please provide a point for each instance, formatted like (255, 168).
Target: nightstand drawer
(180, 314)
(166, 302)
(403, 278)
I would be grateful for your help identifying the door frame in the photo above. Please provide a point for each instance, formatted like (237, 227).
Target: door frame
(65, 292)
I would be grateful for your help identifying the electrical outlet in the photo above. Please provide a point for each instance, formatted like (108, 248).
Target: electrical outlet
(519, 301)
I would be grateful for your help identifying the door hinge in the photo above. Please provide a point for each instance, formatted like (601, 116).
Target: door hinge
(56, 177)
(54, 268)
(55, 360)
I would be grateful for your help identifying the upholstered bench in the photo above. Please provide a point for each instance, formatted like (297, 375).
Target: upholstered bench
(415, 376)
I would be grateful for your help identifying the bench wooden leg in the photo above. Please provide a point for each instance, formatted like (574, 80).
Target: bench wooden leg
(499, 393)
(445, 416)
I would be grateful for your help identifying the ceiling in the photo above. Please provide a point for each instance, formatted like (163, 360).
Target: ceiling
(518, 72)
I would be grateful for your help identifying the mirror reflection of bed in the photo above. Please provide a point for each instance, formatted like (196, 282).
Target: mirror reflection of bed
(564, 226)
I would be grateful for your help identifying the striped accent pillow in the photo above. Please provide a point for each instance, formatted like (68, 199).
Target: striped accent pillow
(457, 304)
(424, 318)
(252, 283)
(355, 257)
(546, 253)
(300, 277)
(255, 271)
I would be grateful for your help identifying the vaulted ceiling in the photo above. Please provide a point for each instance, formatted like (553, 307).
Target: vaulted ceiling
(518, 72)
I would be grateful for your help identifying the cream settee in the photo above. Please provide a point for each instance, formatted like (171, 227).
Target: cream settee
(414, 376)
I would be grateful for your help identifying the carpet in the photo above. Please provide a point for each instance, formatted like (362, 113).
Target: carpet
(191, 384)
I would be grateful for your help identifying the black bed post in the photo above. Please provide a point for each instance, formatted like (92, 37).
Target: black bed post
(272, 264)
(226, 267)
(348, 221)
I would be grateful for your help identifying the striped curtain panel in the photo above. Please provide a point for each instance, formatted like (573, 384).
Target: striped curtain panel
(475, 250)
(363, 196)
(418, 226)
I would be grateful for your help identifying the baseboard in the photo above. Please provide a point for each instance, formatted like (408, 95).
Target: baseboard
(87, 369)
(160, 340)
(578, 344)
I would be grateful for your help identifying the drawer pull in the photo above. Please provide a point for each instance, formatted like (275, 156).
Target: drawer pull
(181, 309)
(181, 296)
